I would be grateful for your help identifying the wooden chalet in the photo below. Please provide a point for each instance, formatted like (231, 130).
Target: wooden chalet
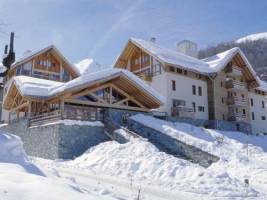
(83, 98)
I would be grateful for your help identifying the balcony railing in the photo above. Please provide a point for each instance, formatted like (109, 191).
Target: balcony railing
(235, 101)
(182, 111)
(236, 117)
(235, 85)
(234, 71)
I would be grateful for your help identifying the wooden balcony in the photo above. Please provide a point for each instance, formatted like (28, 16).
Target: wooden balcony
(235, 101)
(145, 76)
(182, 111)
(235, 85)
(234, 71)
(72, 112)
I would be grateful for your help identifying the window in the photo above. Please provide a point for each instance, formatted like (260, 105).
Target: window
(194, 106)
(178, 102)
(136, 61)
(201, 108)
(200, 91)
(251, 102)
(185, 72)
(145, 58)
(252, 116)
(263, 104)
(173, 85)
(263, 118)
(221, 84)
(222, 100)
(199, 76)
(223, 117)
(243, 96)
(244, 112)
(194, 89)
(180, 71)
(172, 69)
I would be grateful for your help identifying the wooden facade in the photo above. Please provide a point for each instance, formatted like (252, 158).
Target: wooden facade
(45, 64)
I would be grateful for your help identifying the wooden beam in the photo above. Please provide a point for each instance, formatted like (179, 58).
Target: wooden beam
(19, 107)
(90, 103)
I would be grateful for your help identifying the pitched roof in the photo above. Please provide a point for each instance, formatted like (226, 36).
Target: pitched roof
(45, 89)
(30, 55)
(172, 57)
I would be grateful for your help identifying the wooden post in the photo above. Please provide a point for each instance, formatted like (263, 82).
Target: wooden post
(29, 112)
(62, 108)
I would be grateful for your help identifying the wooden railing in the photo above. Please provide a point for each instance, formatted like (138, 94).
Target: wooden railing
(234, 84)
(71, 112)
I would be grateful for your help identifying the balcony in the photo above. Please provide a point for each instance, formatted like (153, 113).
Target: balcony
(182, 111)
(236, 117)
(145, 77)
(235, 85)
(234, 71)
(235, 101)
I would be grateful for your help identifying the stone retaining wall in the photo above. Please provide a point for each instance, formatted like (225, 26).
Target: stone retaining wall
(171, 145)
(54, 141)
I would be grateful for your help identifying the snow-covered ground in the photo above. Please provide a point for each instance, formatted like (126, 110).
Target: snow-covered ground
(20, 179)
(122, 171)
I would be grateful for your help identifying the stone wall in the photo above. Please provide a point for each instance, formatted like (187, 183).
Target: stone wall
(171, 145)
(54, 141)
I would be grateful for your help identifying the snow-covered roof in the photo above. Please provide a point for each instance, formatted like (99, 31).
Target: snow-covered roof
(220, 60)
(172, 57)
(263, 86)
(88, 65)
(30, 86)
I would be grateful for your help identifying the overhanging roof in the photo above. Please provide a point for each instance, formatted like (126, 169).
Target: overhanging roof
(41, 89)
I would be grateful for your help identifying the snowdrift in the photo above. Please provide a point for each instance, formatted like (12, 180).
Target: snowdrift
(11, 151)
(138, 160)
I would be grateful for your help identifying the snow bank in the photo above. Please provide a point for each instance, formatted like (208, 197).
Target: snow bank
(20, 179)
(11, 151)
(138, 160)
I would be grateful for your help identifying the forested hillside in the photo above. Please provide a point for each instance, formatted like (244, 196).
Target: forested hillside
(255, 50)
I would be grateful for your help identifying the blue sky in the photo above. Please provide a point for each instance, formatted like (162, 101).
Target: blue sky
(99, 29)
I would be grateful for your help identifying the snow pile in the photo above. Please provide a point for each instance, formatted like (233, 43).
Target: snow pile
(138, 160)
(88, 65)
(252, 37)
(11, 151)
(20, 179)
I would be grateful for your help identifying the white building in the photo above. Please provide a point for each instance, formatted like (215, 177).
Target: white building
(218, 88)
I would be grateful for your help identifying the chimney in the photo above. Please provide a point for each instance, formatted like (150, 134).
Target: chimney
(153, 39)
(187, 47)
(6, 49)
(11, 47)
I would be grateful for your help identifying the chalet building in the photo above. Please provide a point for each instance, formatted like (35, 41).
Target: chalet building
(43, 85)
(222, 91)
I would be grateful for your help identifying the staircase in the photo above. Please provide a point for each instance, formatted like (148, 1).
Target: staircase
(110, 128)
